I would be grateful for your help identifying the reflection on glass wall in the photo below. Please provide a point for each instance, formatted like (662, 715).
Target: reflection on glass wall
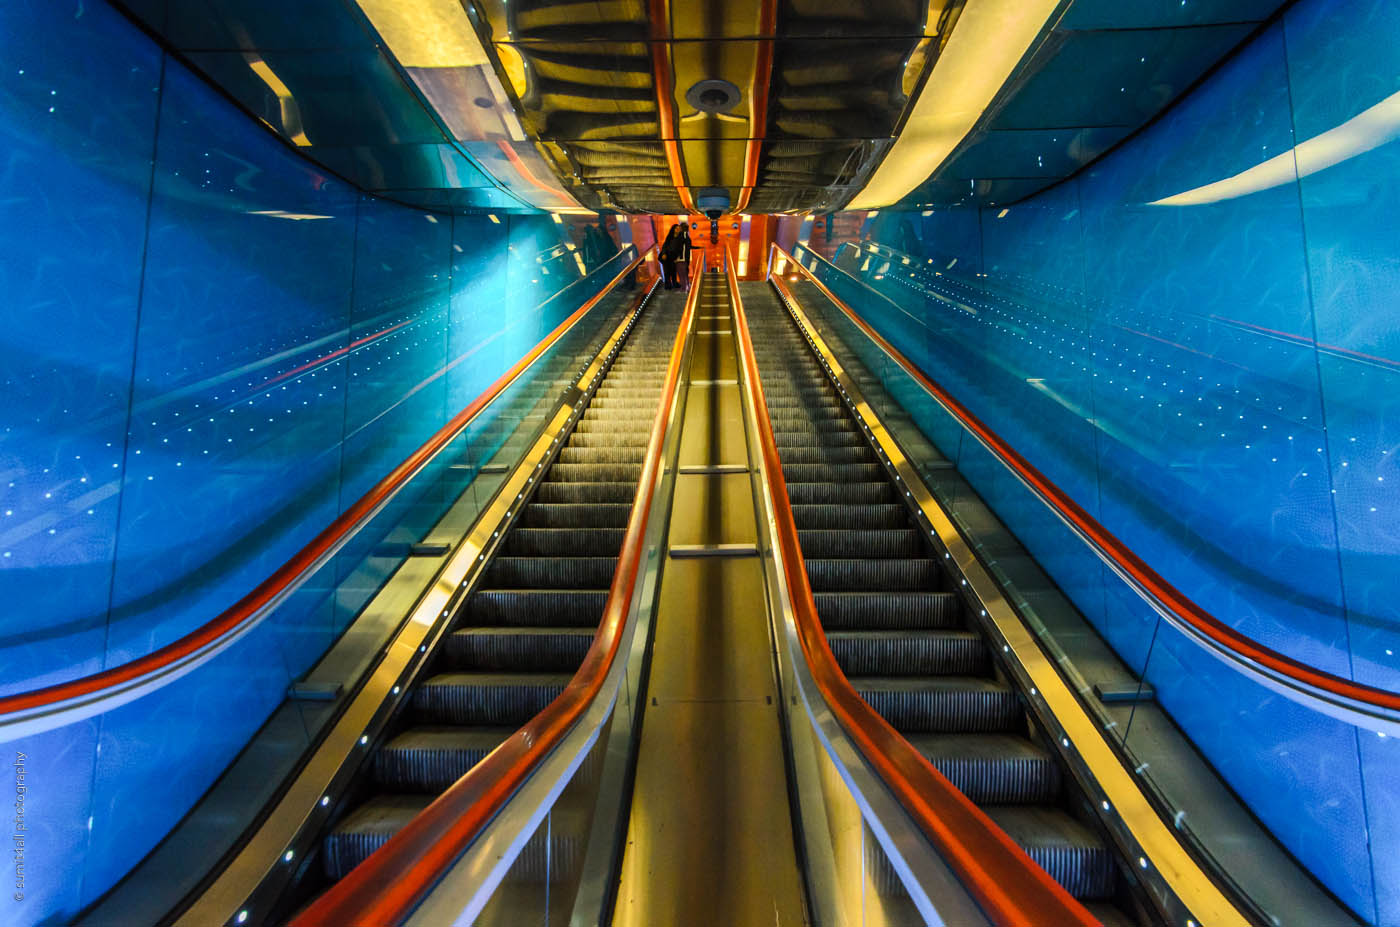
(1197, 339)
(210, 349)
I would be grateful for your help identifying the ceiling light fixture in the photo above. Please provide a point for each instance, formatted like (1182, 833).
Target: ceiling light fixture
(990, 39)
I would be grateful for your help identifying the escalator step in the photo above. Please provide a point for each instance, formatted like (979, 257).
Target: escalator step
(540, 650)
(906, 574)
(486, 698)
(818, 493)
(887, 515)
(888, 611)
(574, 493)
(564, 542)
(566, 515)
(523, 608)
(550, 572)
(1072, 854)
(859, 543)
(909, 653)
(959, 704)
(596, 473)
(632, 438)
(828, 456)
(591, 454)
(831, 437)
(836, 473)
(429, 759)
(993, 769)
(366, 829)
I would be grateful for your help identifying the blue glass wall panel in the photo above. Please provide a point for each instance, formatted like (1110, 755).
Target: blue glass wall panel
(235, 296)
(75, 161)
(210, 347)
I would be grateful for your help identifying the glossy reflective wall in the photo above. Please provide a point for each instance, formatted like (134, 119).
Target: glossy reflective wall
(208, 349)
(1199, 339)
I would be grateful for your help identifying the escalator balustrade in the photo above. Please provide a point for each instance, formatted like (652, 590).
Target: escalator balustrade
(524, 630)
(899, 633)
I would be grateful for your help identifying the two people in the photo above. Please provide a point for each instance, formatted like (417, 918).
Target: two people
(675, 256)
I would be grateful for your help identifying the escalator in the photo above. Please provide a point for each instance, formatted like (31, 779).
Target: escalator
(903, 637)
(521, 634)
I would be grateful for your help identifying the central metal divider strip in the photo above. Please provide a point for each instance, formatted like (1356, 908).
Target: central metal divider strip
(710, 838)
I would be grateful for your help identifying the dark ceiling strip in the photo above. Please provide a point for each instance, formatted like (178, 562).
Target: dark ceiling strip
(660, 33)
(758, 99)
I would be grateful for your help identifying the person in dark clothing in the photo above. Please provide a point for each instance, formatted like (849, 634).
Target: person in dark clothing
(676, 244)
(683, 262)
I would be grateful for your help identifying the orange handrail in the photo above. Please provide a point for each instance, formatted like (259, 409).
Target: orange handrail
(388, 885)
(1111, 548)
(305, 561)
(1007, 883)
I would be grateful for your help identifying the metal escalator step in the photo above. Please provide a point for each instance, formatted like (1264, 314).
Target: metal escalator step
(819, 493)
(993, 769)
(827, 455)
(596, 473)
(909, 653)
(486, 698)
(888, 611)
(429, 759)
(630, 404)
(909, 574)
(612, 438)
(834, 473)
(819, 415)
(575, 515)
(860, 543)
(793, 436)
(960, 704)
(524, 608)
(543, 650)
(572, 493)
(550, 572)
(624, 389)
(589, 425)
(1072, 854)
(564, 542)
(835, 516)
(594, 454)
(366, 829)
(780, 398)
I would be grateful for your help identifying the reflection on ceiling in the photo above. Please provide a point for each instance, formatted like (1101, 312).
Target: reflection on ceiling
(586, 105)
(1097, 72)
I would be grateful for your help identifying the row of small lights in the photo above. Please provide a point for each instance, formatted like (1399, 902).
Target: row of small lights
(1273, 414)
(290, 854)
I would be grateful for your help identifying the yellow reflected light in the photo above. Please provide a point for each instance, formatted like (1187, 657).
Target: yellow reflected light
(426, 33)
(1369, 129)
(989, 40)
(291, 115)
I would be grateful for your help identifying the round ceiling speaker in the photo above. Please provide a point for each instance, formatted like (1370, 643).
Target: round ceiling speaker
(713, 96)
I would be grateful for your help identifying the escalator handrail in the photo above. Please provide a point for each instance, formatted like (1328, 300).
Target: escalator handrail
(388, 885)
(82, 696)
(1007, 883)
(1298, 679)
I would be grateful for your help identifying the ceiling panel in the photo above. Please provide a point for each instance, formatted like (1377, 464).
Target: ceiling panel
(1163, 14)
(1050, 153)
(1118, 78)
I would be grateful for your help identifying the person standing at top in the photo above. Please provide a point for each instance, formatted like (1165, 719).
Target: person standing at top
(683, 262)
(675, 244)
